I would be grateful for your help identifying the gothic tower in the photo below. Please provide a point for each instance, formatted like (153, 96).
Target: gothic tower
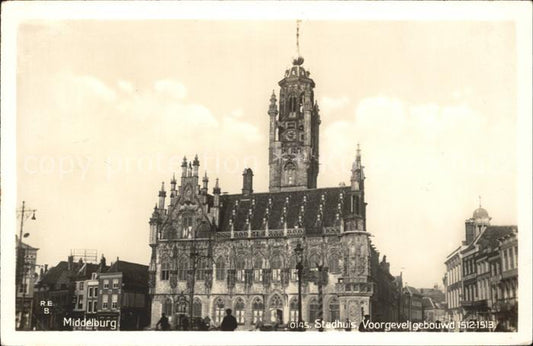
(293, 148)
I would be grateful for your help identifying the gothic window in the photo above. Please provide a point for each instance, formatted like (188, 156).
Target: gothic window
(219, 310)
(314, 260)
(186, 226)
(167, 307)
(197, 308)
(257, 310)
(293, 104)
(334, 309)
(181, 306)
(294, 271)
(183, 266)
(239, 268)
(276, 309)
(313, 310)
(259, 265)
(165, 271)
(276, 269)
(239, 311)
(220, 268)
(293, 310)
(202, 269)
(290, 174)
(334, 265)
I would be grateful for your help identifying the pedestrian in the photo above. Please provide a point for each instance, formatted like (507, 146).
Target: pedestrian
(364, 322)
(348, 325)
(229, 323)
(163, 322)
(185, 323)
(205, 323)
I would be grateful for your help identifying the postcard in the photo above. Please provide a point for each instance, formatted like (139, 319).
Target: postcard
(328, 172)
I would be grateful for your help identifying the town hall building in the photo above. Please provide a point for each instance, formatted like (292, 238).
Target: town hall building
(212, 251)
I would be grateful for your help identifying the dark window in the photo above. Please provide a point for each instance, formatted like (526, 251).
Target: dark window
(182, 269)
(220, 268)
(164, 271)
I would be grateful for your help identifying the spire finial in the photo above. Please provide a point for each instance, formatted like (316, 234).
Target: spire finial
(298, 37)
(298, 60)
(479, 197)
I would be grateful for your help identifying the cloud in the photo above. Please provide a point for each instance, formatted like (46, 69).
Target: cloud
(171, 88)
(125, 86)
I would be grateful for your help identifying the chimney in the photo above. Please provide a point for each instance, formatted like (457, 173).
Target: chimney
(247, 181)
(102, 264)
(70, 262)
(470, 231)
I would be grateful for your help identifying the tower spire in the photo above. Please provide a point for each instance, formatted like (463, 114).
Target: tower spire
(298, 60)
(298, 37)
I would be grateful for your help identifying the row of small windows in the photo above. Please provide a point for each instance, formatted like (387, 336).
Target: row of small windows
(114, 301)
(115, 284)
(274, 311)
(260, 266)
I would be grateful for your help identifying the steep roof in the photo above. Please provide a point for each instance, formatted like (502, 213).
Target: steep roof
(133, 274)
(52, 276)
(24, 245)
(238, 208)
(86, 270)
(411, 290)
(489, 237)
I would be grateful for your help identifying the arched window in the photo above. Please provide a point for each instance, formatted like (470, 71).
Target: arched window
(239, 310)
(314, 259)
(294, 271)
(183, 266)
(202, 268)
(167, 307)
(276, 269)
(165, 270)
(182, 306)
(186, 226)
(293, 310)
(333, 264)
(257, 310)
(259, 265)
(239, 268)
(276, 309)
(334, 309)
(313, 310)
(289, 174)
(219, 310)
(197, 308)
(221, 268)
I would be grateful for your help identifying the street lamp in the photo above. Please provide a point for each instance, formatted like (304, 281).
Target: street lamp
(21, 260)
(299, 266)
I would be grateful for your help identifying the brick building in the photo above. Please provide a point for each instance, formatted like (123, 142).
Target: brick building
(412, 309)
(482, 274)
(123, 295)
(212, 251)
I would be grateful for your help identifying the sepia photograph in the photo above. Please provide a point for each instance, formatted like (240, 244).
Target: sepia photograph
(319, 171)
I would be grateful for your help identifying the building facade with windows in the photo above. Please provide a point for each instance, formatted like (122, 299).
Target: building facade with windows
(237, 251)
(27, 257)
(482, 274)
(123, 296)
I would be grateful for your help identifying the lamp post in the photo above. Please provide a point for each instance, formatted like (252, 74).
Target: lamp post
(21, 260)
(195, 255)
(299, 266)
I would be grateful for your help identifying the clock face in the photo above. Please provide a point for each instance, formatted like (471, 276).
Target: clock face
(290, 135)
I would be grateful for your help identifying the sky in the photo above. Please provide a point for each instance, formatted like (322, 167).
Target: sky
(106, 110)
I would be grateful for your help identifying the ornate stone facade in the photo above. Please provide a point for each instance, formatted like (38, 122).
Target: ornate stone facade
(237, 251)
